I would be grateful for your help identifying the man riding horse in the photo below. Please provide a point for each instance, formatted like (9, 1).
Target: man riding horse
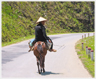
(40, 34)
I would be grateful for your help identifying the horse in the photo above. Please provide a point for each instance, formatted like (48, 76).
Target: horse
(40, 50)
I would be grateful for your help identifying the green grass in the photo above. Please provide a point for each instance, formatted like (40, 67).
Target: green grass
(88, 64)
(19, 18)
(17, 40)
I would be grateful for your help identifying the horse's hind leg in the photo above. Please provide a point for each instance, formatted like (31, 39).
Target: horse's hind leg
(43, 65)
(43, 70)
(38, 66)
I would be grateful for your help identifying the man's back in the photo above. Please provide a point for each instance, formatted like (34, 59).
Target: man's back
(39, 33)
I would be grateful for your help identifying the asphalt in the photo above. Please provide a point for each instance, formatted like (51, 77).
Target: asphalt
(17, 62)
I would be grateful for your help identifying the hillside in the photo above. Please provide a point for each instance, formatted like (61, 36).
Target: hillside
(19, 18)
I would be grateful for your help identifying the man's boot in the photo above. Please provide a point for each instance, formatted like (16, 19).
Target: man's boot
(53, 50)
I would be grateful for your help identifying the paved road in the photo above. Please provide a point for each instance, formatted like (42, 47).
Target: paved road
(18, 63)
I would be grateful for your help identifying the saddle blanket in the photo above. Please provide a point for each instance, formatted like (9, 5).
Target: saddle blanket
(48, 43)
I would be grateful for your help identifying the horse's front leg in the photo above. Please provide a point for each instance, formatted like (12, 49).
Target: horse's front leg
(38, 66)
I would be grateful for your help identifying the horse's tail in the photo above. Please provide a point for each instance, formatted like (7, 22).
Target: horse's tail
(40, 50)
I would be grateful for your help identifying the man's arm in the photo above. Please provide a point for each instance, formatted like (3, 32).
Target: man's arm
(44, 33)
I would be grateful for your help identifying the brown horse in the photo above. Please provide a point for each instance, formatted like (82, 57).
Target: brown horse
(40, 50)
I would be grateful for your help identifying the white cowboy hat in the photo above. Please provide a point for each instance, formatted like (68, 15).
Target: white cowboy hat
(41, 19)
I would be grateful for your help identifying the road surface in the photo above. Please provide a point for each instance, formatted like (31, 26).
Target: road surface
(17, 62)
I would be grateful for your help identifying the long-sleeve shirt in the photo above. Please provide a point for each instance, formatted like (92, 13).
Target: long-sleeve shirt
(40, 33)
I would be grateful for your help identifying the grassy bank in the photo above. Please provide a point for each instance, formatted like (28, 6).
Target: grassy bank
(17, 40)
(88, 64)
(19, 18)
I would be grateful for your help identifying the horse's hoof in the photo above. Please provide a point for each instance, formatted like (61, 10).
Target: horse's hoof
(43, 71)
(39, 72)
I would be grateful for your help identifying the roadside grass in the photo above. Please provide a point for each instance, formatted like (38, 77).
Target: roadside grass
(30, 37)
(88, 64)
(18, 40)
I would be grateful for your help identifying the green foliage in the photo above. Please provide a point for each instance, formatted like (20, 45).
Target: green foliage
(19, 18)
